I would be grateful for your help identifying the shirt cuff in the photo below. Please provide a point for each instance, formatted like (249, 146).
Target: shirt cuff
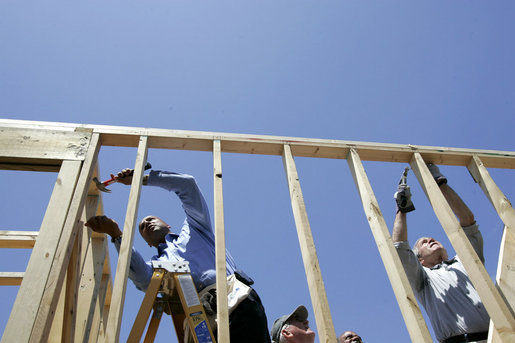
(471, 228)
(403, 245)
(153, 177)
(117, 243)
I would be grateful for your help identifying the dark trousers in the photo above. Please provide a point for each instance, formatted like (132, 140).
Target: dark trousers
(247, 323)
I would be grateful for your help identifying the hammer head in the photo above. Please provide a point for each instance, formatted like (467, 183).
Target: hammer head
(101, 186)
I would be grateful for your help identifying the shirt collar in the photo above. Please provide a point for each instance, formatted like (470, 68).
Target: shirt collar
(168, 238)
(447, 262)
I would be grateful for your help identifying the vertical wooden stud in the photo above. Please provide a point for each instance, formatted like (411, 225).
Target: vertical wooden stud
(222, 311)
(91, 274)
(56, 331)
(124, 258)
(63, 250)
(497, 309)
(506, 268)
(102, 307)
(307, 247)
(413, 318)
(501, 204)
(28, 299)
(505, 281)
(71, 285)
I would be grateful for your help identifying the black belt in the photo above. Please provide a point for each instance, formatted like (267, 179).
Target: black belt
(468, 337)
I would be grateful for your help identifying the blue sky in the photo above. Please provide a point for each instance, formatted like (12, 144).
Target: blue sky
(426, 73)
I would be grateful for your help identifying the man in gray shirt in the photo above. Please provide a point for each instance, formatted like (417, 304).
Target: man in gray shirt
(439, 283)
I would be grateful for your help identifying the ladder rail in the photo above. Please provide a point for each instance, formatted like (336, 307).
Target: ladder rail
(146, 306)
(174, 281)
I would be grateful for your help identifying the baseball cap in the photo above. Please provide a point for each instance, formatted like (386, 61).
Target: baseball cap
(300, 314)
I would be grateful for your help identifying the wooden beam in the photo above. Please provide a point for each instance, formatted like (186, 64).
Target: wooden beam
(124, 258)
(222, 311)
(413, 318)
(506, 270)
(11, 278)
(273, 145)
(42, 145)
(505, 282)
(75, 296)
(97, 259)
(29, 165)
(101, 308)
(506, 267)
(91, 276)
(500, 202)
(71, 288)
(305, 147)
(18, 239)
(307, 247)
(497, 308)
(28, 299)
(56, 331)
(64, 248)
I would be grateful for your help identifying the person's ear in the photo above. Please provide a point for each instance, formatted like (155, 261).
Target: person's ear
(286, 333)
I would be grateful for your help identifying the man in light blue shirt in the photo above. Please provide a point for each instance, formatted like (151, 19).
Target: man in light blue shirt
(441, 284)
(195, 243)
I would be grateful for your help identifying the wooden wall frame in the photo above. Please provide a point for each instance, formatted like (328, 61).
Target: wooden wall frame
(51, 289)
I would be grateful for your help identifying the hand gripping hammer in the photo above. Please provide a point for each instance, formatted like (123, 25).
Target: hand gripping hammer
(102, 185)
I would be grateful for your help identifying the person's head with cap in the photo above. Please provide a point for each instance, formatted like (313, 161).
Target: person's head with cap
(293, 327)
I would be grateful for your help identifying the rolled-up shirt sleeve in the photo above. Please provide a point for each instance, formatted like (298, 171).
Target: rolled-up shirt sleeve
(412, 266)
(476, 239)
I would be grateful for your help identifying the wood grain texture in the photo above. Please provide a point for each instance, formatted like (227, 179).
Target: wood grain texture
(273, 145)
(316, 286)
(222, 310)
(413, 318)
(495, 305)
(122, 270)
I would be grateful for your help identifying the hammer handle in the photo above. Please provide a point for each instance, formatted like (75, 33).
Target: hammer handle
(112, 180)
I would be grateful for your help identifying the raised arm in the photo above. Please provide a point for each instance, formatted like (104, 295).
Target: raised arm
(400, 228)
(410, 262)
(186, 188)
(403, 205)
(460, 210)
